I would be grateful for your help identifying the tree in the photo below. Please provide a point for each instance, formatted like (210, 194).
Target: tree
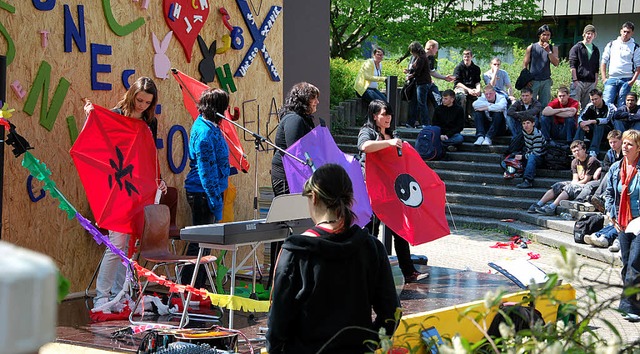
(455, 23)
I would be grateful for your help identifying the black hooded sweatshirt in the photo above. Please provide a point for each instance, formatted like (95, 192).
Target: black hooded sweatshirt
(324, 284)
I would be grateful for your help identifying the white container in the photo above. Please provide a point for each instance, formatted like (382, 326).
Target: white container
(28, 300)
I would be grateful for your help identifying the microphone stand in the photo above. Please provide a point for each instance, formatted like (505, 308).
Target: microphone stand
(258, 143)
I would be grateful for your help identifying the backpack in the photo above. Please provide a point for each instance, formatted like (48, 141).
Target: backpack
(587, 225)
(428, 143)
(513, 168)
(558, 156)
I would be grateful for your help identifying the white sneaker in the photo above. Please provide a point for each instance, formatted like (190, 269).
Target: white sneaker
(487, 141)
(587, 240)
(600, 241)
(479, 141)
(97, 304)
(615, 246)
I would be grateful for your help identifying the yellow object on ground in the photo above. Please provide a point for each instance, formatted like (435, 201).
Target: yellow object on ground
(450, 321)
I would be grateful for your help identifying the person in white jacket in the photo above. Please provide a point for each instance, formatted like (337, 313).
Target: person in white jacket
(622, 56)
(489, 113)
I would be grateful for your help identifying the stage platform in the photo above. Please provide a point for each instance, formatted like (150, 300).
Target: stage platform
(444, 288)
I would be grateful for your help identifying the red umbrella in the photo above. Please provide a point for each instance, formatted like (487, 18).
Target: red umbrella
(191, 91)
(117, 162)
(406, 194)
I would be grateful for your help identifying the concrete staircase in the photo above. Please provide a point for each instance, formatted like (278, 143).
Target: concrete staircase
(478, 196)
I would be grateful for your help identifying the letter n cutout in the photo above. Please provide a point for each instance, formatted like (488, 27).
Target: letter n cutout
(47, 115)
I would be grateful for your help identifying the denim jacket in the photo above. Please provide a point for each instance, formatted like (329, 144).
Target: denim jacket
(612, 196)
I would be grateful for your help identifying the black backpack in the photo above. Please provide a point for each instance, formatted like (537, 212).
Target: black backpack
(558, 156)
(586, 225)
(428, 143)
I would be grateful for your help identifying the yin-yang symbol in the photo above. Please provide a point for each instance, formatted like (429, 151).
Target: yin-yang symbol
(408, 190)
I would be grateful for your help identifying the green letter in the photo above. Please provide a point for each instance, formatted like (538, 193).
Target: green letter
(115, 26)
(47, 117)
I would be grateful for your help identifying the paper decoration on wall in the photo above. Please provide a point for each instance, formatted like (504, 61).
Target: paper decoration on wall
(161, 63)
(46, 5)
(11, 47)
(45, 38)
(73, 129)
(115, 26)
(41, 83)
(207, 66)
(225, 79)
(99, 49)
(32, 196)
(186, 18)
(236, 40)
(18, 89)
(78, 34)
(126, 74)
(185, 143)
(258, 36)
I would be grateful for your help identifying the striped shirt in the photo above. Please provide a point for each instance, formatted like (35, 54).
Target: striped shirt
(534, 142)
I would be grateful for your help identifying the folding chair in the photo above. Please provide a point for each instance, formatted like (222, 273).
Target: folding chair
(170, 199)
(154, 247)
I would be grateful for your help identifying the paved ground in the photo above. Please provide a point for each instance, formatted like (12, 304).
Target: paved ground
(470, 250)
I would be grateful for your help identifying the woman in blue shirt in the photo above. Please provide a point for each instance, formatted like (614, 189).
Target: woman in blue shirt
(209, 168)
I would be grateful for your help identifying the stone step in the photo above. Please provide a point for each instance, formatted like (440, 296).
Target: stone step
(484, 167)
(489, 200)
(550, 222)
(494, 190)
(479, 178)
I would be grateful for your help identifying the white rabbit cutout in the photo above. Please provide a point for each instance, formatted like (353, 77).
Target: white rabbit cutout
(161, 63)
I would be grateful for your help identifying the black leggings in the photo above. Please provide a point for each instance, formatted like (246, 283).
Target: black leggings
(280, 187)
(201, 215)
(401, 245)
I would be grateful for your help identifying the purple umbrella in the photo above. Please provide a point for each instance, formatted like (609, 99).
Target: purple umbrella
(319, 146)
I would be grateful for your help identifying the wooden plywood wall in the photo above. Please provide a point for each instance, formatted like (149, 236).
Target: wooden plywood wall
(113, 38)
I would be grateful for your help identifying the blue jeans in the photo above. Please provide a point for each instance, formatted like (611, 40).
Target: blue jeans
(609, 232)
(630, 252)
(435, 93)
(420, 110)
(532, 161)
(623, 125)
(371, 94)
(542, 91)
(596, 132)
(514, 125)
(552, 131)
(616, 90)
(456, 139)
(487, 128)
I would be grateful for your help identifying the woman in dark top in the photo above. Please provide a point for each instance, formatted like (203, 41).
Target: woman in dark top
(329, 278)
(296, 120)
(419, 72)
(374, 136)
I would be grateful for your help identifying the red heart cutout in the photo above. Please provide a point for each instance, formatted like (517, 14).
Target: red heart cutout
(186, 18)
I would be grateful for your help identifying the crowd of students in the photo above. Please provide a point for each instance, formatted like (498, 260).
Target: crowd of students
(580, 116)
